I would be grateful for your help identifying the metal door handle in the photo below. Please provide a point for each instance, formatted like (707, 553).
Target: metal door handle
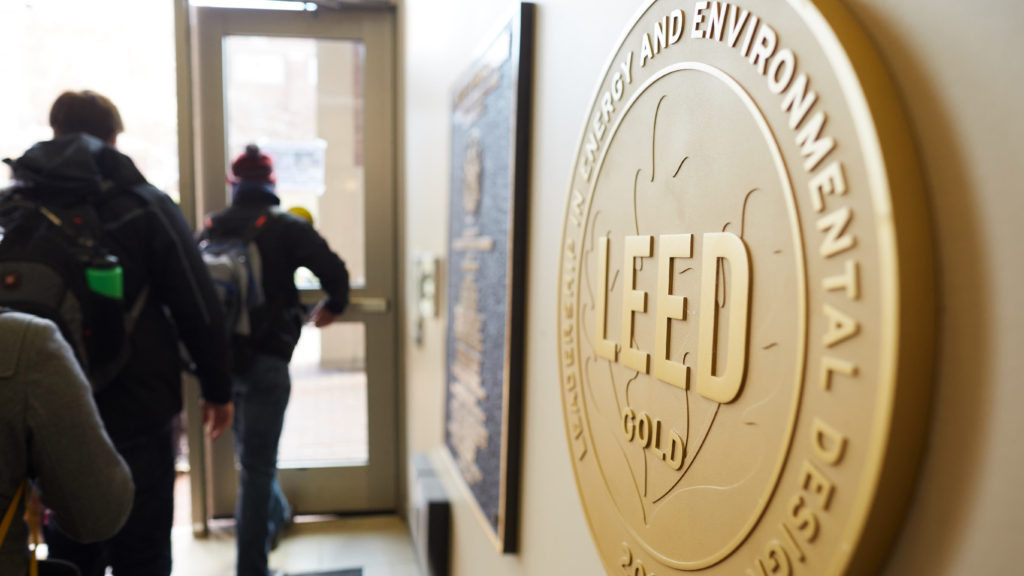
(357, 304)
(369, 304)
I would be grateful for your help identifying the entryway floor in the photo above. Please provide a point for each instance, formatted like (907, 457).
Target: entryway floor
(379, 544)
(320, 400)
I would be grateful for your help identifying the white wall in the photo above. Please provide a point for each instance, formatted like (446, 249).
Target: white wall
(959, 69)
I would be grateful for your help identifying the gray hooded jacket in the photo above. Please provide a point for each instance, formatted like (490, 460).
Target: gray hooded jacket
(50, 431)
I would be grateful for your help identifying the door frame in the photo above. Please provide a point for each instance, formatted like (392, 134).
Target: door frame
(203, 162)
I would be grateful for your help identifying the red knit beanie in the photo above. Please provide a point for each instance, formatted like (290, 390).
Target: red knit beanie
(253, 165)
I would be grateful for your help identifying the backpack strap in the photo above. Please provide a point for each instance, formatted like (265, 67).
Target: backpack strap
(214, 225)
(5, 524)
(16, 201)
(257, 224)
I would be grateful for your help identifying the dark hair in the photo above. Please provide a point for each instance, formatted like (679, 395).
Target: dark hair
(85, 111)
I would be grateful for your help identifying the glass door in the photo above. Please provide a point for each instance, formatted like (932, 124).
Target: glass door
(315, 91)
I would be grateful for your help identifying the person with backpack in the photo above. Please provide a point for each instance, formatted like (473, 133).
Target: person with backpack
(53, 438)
(264, 332)
(79, 207)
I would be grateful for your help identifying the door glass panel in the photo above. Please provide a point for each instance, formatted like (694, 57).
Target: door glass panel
(301, 101)
(326, 422)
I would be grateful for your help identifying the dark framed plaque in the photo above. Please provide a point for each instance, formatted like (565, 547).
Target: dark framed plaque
(486, 254)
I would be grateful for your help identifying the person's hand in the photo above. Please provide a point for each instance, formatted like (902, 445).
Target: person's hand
(217, 418)
(321, 316)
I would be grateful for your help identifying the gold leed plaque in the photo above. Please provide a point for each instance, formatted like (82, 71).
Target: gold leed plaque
(745, 306)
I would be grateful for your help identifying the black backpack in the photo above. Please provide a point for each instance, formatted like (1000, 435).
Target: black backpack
(55, 262)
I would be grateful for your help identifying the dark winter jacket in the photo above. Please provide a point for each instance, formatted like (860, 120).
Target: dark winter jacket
(286, 243)
(153, 242)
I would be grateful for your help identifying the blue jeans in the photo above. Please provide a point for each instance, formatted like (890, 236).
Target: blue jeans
(261, 511)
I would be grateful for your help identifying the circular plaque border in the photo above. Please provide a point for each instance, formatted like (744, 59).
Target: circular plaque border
(905, 276)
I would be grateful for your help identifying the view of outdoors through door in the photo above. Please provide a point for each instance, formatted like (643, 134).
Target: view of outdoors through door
(55, 45)
(310, 123)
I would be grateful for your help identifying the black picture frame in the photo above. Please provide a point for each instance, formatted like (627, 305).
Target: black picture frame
(490, 123)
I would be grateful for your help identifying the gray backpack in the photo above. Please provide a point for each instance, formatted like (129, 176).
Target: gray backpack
(233, 261)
